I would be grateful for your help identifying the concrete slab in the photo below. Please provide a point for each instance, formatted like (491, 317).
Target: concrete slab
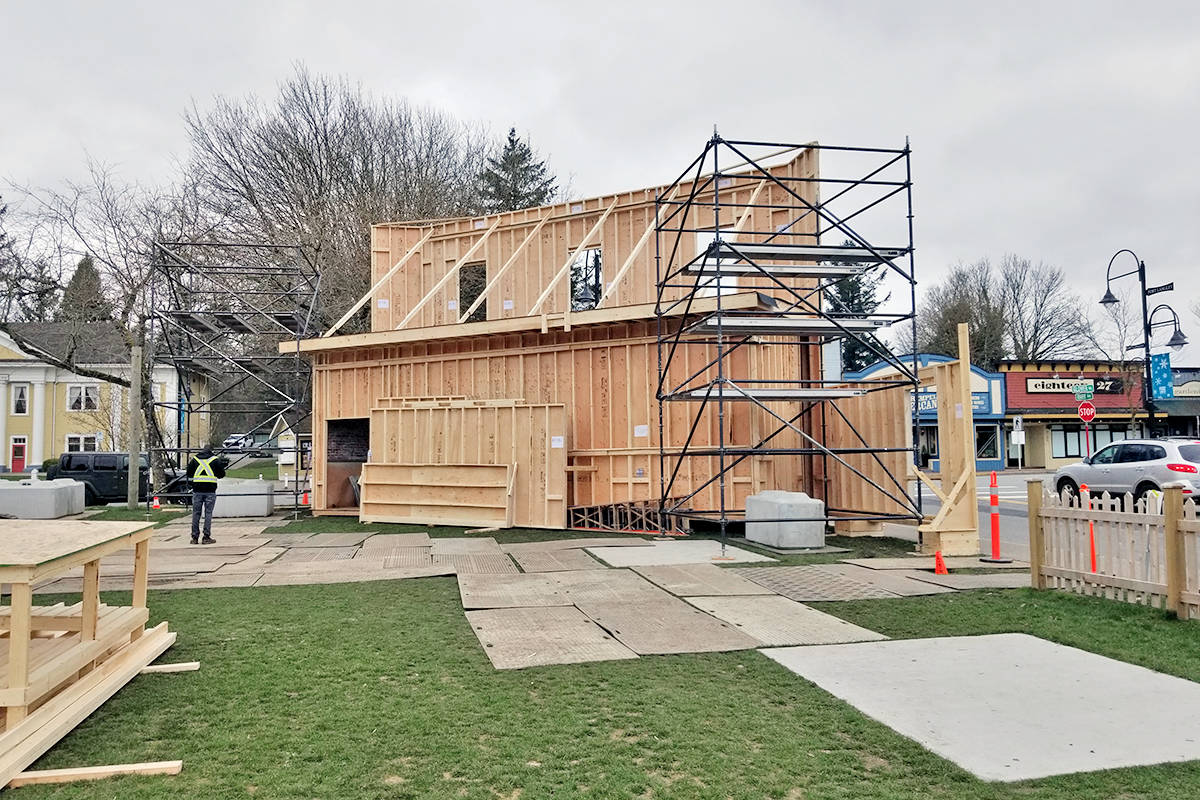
(477, 563)
(777, 621)
(611, 585)
(994, 580)
(695, 551)
(297, 554)
(578, 542)
(515, 638)
(399, 557)
(390, 541)
(811, 583)
(510, 591)
(336, 540)
(926, 562)
(457, 546)
(1011, 707)
(656, 627)
(555, 560)
(896, 581)
(700, 579)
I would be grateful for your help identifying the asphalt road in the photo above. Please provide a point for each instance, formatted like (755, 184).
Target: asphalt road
(1012, 512)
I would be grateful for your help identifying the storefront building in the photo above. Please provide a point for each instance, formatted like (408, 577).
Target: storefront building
(1182, 412)
(987, 408)
(1043, 395)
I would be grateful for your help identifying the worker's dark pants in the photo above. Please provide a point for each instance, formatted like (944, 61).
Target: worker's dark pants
(203, 503)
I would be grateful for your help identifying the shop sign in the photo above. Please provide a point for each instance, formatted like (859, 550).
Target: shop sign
(1074, 385)
(927, 403)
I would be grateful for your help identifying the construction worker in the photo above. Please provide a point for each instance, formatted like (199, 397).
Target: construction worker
(204, 469)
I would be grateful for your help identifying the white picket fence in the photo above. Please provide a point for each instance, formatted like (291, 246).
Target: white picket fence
(1147, 552)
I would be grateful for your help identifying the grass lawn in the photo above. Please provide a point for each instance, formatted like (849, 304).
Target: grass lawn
(269, 471)
(380, 690)
(141, 514)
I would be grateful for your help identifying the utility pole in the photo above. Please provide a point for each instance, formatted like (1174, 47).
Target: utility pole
(134, 427)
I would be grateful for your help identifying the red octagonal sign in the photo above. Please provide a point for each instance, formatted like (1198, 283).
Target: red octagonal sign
(1087, 411)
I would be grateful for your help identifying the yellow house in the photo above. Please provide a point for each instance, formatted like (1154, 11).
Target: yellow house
(46, 410)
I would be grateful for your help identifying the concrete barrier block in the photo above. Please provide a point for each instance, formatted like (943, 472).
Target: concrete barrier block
(35, 499)
(765, 510)
(244, 497)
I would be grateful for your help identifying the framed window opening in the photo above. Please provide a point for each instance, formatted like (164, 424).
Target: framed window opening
(1065, 441)
(472, 280)
(83, 443)
(19, 399)
(83, 397)
(587, 279)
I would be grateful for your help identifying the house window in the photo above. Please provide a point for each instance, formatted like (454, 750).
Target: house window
(472, 279)
(20, 399)
(587, 279)
(83, 398)
(1065, 441)
(83, 443)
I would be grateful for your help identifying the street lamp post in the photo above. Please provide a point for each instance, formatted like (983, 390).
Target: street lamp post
(1177, 340)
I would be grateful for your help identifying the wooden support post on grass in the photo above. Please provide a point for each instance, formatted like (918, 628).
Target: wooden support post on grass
(1036, 535)
(1173, 549)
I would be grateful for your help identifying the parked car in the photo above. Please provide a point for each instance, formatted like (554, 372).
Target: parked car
(237, 441)
(105, 476)
(1135, 466)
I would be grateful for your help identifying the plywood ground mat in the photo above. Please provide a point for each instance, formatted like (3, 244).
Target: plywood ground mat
(992, 580)
(510, 591)
(555, 560)
(476, 563)
(811, 583)
(615, 585)
(1011, 707)
(578, 542)
(455, 546)
(657, 627)
(515, 638)
(698, 551)
(700, 579)
(926, 562)
(900, 582)
(777, 621)
(389, 541)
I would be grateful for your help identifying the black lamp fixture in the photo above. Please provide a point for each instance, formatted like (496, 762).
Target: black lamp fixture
(1177, 340)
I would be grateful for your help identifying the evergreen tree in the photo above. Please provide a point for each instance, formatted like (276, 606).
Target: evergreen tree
(83, 300)
(515, 178)
(857, 296)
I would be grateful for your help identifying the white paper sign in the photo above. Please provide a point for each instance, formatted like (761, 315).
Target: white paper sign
(508, 305)
(958, 410)
(383, 302)
(452, 305)
(641, 430)
(556, 442)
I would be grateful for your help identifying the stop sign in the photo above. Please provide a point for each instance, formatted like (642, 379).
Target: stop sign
(1087, 411)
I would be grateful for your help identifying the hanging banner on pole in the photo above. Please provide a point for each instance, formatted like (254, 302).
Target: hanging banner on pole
(1162, 386)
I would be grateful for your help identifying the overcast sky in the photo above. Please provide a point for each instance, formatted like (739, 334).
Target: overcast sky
(1062, 131)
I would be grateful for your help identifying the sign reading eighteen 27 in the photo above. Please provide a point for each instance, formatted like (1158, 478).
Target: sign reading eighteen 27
(1071, 385)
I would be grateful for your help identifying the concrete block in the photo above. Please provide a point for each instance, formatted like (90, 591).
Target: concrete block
(764, 508)
(34, 499)
(244, 497)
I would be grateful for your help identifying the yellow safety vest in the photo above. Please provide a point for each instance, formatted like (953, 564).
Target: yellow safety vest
(204, 472)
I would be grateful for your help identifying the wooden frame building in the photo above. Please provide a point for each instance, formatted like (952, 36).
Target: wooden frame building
(510, 374)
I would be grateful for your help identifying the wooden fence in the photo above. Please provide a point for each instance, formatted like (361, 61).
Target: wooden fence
(1145, 552)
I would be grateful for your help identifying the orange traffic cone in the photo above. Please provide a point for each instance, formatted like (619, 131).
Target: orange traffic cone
(156, 505)
(939, 564)
(304, 499)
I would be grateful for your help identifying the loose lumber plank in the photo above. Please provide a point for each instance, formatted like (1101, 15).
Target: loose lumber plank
(71, 774)
(180, 666)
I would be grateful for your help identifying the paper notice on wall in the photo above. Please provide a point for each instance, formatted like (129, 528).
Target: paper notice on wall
(958, 411)
(557, 442)
(382, 303)
(508, 305)
(452, 305)
(641, 430)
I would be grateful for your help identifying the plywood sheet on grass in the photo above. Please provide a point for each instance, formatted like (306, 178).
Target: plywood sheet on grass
(477, 544)
(656, 627)
(510, 591)
(896, 581)
(477, 563)
(926, 562)
(607, 585)
(696, 551)
(294, 555)
(556, 560)
(515, 638)
(688, 580)
(777, 621)
(389, 541)
(992, 580)
(569, 544)
(399, 557)
(810, 583)
(1023, 707)
(337, 539)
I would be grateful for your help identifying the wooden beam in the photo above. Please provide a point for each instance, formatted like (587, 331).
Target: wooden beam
(637, 249)
(1037, 535)
(21, 601)
(69, 775)
(566, 267)
(91, 600)
(450, 274)
(416, 248)
(182, 666)
(500, 273)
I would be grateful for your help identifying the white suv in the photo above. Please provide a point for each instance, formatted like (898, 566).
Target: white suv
(1135, 466)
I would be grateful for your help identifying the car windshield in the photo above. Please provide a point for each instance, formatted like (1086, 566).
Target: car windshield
(1190, 452)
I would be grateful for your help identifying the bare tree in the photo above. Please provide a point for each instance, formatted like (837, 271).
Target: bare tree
(970, 294)
(323, 162)
(1043, 317)
(1114, 335)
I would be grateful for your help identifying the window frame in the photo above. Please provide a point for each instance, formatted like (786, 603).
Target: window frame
(82, 438)
(83, 395)
(12, 397)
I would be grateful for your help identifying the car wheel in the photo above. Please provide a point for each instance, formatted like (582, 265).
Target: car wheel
(89, 496)
(1139, 494)
(1068, 487)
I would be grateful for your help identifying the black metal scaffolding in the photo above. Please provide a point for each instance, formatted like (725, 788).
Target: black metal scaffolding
(221, 310)
(698, 256)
